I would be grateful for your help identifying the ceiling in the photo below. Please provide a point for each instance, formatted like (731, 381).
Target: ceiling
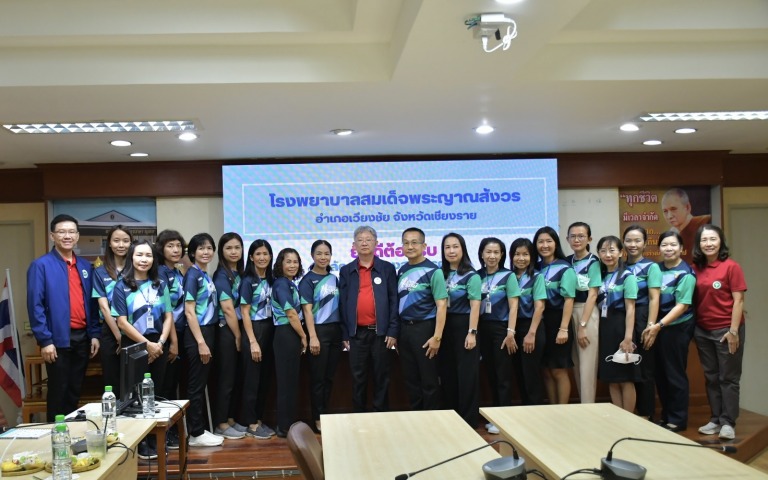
(271, 78)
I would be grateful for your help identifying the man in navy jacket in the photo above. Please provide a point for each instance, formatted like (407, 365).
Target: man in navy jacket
(369, 321)
(63, 316)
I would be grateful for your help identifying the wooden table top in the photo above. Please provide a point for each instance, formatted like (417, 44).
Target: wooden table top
(564, 438)
(132, 431)
(384, 445)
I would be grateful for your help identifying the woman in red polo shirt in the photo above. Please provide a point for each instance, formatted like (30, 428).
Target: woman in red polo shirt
(719, 335)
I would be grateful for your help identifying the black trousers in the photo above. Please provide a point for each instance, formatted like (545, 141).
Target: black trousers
(322, 367)
(257, 376)
(646, 387)
(369, 351)
(157, 367)
(460, 369)
(498, 363)
(225, 364)
(170, 386)
(671, 380)
(420, 373)
(528, 365)
(198, 378)
(287, 347)
(65, 375)
(110, 359)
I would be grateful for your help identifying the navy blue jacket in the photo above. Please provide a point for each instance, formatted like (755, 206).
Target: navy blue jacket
(384, 296)
(48, 299)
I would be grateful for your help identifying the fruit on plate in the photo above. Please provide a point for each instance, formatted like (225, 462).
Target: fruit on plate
(10, 466)
(113, 437)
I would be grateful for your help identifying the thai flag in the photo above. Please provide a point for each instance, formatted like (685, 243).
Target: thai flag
(10, 353)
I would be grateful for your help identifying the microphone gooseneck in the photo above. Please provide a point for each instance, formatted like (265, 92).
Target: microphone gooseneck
(623, 470)
(515, 456)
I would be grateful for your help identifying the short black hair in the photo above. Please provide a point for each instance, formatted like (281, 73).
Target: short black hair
(63, 218)
(197, 241)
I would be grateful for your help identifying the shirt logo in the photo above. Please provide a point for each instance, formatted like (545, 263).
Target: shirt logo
(85, 273)
(716, 285)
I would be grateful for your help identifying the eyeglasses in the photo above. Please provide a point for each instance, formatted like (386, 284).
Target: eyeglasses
(64, 233)
(612, 251)
(578, 237)
(414, 243)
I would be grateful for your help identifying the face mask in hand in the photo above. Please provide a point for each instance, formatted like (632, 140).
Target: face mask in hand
(622, 357)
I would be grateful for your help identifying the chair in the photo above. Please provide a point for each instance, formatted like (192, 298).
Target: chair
(306, 450)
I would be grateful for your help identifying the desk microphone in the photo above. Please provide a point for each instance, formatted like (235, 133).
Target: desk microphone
(504, 468)
(623, 470)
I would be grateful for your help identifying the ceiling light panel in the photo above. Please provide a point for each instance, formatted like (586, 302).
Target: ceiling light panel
(702, 116)
(103, 127)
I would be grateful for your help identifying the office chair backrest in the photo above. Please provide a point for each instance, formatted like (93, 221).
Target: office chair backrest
(306, 450)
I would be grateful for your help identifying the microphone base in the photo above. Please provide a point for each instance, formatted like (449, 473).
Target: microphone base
(617, 469)
(505, 468)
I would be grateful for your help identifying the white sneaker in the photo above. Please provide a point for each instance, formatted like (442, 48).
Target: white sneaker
(710, 429)
(727, 432)
(493, 429)
(488, 425)
(206, 439)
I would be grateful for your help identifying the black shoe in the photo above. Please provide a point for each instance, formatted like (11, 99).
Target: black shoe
(146, 452)
(674, 428)
(172, 440)
(280, 432)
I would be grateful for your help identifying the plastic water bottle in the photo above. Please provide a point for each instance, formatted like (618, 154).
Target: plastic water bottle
(61, 452)
(148, 396)
(109, 410)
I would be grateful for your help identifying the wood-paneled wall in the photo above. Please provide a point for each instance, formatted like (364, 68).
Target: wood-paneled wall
(203, 178)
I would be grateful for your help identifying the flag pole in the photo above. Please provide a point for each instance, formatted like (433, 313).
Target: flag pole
(16, 339)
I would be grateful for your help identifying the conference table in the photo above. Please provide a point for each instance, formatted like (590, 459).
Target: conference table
(131, 433)
(559, 439)
(383, 445)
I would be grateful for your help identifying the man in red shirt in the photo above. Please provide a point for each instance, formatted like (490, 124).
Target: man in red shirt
(369, 322)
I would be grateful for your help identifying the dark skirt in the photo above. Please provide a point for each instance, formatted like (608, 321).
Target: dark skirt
(611, 336)
(556, 355)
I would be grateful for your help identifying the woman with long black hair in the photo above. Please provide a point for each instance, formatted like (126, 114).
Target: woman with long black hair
(459, 357)
(142, 306)
(226, 279)
(105, 277)
(290, 341)
(319, 290)
(560, 285)
(258, 332)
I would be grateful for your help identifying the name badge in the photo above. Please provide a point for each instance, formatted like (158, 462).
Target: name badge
(487, 305)
(150, 321)
(604, 309)
(268, 309)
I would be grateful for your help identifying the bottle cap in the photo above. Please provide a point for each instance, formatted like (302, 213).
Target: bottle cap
(108, 388)
(60, 418)
(147, 375)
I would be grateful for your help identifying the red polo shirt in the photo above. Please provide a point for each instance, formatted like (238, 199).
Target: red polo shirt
(76, 298)
(715, 284)
(366, 305)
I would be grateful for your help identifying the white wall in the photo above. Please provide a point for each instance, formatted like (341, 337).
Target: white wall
(599, 207)
(192, 215)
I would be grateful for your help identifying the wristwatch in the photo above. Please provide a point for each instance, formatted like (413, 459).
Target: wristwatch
(161, 342)
(583, 324)
(473, 331)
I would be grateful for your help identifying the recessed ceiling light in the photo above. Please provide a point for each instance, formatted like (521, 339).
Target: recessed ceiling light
(120, 143)
(508, 2)
(103, 127)
(701, 116)
(685, 130)
(342, 132)
(139, 154)
(484, 129)
(188, 136)
(651, 143)
(629, 127)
